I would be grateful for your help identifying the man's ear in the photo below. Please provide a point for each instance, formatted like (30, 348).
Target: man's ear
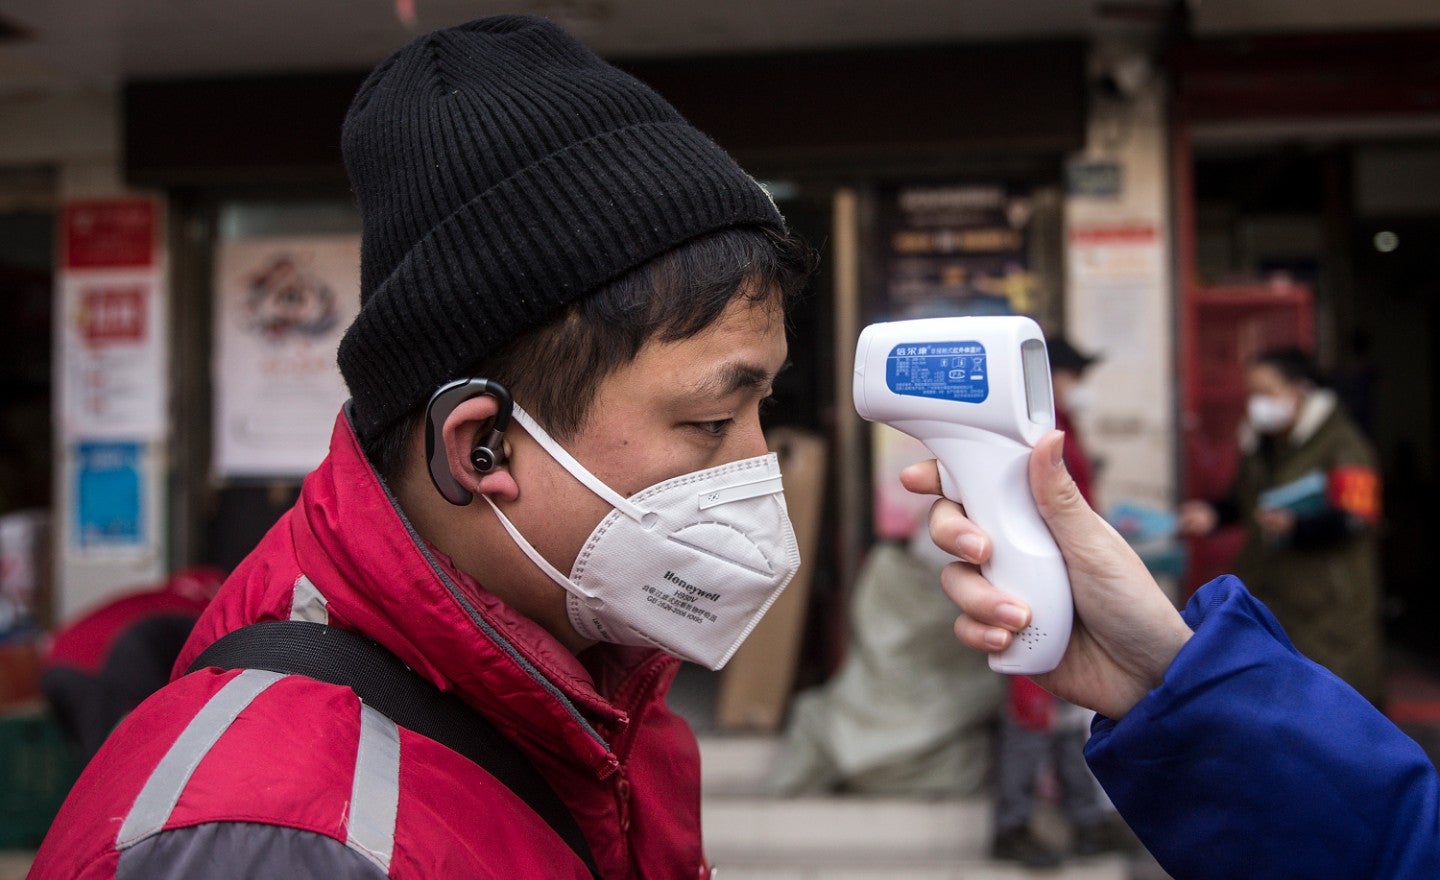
(467, 427)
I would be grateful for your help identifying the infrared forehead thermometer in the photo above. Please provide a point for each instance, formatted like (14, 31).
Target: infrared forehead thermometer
(976, 392)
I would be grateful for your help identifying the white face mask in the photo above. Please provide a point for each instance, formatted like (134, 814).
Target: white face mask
(1268, 413)
(689, 565)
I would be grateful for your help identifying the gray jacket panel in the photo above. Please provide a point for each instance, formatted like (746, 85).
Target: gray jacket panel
(242, 850)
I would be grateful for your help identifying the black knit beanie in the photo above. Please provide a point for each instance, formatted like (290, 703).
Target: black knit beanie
(503, 170)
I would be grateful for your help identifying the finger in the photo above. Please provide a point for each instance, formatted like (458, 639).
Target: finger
(955, 534)
(981, 602)
(1054, 489)
(922, 478)
(987, 639)
(1069, 517)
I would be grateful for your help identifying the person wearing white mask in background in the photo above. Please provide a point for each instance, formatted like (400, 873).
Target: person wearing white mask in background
(1308, 495)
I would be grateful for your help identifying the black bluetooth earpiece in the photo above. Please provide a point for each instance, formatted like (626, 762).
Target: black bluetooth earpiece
(483, 458)
(486, 456)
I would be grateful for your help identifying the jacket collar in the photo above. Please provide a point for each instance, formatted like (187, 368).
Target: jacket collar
(1315, 410)
(380, 576)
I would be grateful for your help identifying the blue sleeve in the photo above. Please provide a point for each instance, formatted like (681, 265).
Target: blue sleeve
(1251, 761)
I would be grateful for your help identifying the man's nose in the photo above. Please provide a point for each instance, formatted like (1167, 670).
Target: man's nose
(750, 440)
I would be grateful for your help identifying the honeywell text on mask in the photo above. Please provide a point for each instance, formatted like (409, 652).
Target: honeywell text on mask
(682, 603)
(690, 588)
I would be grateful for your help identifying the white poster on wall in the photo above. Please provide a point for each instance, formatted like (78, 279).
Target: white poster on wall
(113, 369)
(282, 305)
(115, 356)
(1119, 267)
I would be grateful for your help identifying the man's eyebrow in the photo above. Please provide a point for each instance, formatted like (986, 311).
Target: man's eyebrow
(735, 377)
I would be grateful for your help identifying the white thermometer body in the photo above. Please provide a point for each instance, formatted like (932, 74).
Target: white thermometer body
(976, 391)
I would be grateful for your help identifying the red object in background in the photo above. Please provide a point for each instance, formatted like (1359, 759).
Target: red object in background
(1356, 490)
(85, 643)
(19, 672)
(1222, 329)
(105, 663)
(108, 234)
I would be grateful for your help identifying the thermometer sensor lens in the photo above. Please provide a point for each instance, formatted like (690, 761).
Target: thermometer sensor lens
(1037, 381)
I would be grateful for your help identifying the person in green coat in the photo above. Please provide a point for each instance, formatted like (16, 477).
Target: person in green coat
(1308, 496)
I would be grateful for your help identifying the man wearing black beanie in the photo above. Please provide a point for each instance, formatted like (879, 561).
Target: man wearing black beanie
(549, 484)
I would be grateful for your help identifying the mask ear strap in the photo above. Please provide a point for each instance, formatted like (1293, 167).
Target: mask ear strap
(576, 469)
(540, 561)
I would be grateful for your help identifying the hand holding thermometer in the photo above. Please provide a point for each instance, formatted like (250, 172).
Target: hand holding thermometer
(976, 392)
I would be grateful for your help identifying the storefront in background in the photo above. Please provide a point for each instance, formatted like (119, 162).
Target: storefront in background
(934, 180)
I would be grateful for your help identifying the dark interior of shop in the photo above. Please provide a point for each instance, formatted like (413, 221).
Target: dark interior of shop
(25, 348)
(1351, 219)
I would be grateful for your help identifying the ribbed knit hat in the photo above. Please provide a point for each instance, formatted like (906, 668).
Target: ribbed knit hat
(503, 170)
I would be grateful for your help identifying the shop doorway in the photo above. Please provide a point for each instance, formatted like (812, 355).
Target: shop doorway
(1393, 388)
(26, 286)
(1335, 217)
(26, 447)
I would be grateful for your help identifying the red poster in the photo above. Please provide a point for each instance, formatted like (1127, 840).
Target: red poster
(113, 314)
(1115, 234)
(108, 234)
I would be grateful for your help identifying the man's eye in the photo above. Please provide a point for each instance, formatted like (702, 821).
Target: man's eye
(715, 428)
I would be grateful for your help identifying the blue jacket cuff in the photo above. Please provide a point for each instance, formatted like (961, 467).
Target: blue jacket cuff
(1252, 761)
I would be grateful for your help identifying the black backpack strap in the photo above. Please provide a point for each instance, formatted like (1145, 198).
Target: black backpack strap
(384, 683)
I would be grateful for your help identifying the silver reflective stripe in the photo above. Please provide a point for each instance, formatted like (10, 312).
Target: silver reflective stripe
(162, 790)
(375, 792)
(307, 603)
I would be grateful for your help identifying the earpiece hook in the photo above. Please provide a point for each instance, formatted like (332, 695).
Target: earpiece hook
(486, 456)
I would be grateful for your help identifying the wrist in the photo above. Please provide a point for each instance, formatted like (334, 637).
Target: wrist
(1149, 672)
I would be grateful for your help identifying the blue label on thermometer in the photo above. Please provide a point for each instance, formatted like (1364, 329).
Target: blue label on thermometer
(940, 370)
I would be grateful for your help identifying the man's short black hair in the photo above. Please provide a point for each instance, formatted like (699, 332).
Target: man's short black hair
(554, 370)
(1292, 362)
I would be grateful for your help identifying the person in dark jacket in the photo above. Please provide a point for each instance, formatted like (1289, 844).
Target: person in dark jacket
(1308, 496)
(549, 485)
(103, 664)
(1226, 750)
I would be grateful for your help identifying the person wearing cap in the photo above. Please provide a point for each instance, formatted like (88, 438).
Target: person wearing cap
(549, 484)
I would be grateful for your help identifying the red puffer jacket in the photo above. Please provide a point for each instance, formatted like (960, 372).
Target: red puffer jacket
(245, 774)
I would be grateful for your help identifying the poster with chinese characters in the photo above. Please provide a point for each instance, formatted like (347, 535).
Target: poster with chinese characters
(114, 369)
(282, 305)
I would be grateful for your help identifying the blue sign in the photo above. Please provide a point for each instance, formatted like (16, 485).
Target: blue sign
(939, 370)
(108, 506)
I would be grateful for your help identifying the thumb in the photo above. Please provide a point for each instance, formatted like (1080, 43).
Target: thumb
(1063, 508)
